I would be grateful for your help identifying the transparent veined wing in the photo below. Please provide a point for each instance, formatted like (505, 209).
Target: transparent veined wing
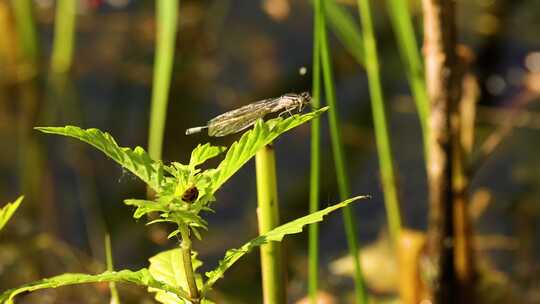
(221, 126)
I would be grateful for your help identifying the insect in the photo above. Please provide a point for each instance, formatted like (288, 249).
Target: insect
(237, 120)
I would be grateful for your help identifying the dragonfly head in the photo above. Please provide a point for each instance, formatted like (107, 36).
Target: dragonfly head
(304, 99)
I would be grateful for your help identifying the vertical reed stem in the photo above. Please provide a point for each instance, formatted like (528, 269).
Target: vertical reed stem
(380, 122)
(339, 160)
(64, 32)
(26, 27)
(272, 270)
(115, 298)
(315, 159)
(410, 55)
(167, 18)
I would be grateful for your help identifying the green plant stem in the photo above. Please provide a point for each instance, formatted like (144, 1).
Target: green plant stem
(408, 49)
(58, 96)
(64, 30)
(29, 150)
(313, 246)
(346, 30)
(167, 18)
(339, 159)
(380, 122)
(273, 279)
(26, 27)
(185, 246)
(115, 298)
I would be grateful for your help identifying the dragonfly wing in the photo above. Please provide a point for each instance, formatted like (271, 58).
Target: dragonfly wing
(245, 110)
(235, 124)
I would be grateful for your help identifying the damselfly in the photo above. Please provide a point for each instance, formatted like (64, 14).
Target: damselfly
(237, 120)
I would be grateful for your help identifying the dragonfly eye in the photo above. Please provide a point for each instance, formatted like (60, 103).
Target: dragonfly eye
(305, 96)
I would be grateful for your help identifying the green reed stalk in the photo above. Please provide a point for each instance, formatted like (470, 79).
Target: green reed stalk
(167, 21)
(58, 89)
(348, 33)
(26, 27)
(64, 32)
(272, 269)
(314, 187)
(115, 298)
(344, 27)
(380, 122)
(408, 49)
(30, 163)
(339, 159)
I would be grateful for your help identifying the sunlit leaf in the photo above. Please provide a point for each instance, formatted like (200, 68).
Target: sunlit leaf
(140, 277)
(247, 146)
(7, 211)
(168, 267)
(144, 207)
(137, 161)
(202, 153)
(276, 234)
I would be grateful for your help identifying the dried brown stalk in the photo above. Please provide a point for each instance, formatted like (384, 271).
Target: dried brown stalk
(443, 79)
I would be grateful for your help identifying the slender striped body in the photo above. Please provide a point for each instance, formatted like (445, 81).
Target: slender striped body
(237, 120)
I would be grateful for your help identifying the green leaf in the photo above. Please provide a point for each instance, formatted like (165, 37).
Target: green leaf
(203, 153)
(7, 211)
(262, 134)
(137, 161)
(276, 234)
(144, 207)
(168, 267)
(140, 277)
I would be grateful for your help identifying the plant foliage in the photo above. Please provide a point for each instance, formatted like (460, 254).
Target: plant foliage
(8, 210)
(135, 160)
(140, 277)
(170, 182)
(181, 193)
(167, 267)
(276, 234)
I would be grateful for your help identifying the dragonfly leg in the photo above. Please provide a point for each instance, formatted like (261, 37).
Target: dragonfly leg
(287, 111)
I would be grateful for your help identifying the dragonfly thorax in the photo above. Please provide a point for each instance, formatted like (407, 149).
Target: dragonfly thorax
(292, 101)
